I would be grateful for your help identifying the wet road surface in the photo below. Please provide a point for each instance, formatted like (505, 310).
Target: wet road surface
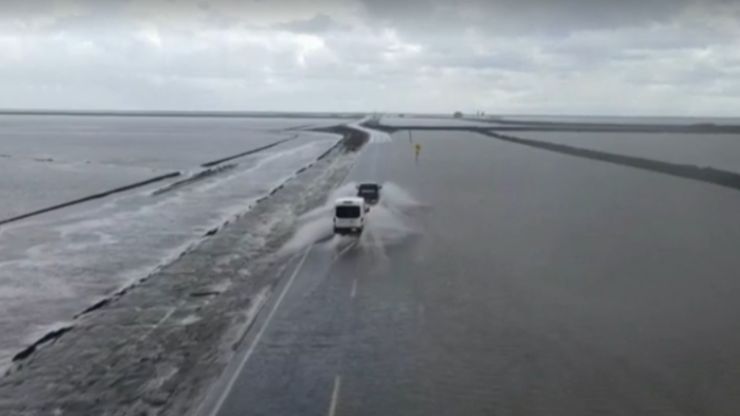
(525, 283)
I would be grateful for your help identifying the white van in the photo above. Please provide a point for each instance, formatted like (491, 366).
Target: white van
(349, 215)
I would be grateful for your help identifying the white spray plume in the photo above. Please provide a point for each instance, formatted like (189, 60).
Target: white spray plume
(389, 222)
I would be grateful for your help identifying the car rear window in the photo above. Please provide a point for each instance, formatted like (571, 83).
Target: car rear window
(348, 212)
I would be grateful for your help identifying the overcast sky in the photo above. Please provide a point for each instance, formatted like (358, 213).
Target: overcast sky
(628, 57)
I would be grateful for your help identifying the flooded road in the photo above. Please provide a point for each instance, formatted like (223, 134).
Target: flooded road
(515, 281)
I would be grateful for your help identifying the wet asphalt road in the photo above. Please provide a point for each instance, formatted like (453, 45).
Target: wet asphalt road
(535, 284)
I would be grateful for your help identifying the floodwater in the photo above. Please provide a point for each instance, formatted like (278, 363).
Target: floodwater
(538, 284)
(55, 265)
(720, 151)
(678, 121)
(46, 160)
(439, 121)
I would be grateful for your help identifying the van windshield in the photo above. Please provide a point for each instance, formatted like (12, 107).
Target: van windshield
(348, 212)
(368, 191)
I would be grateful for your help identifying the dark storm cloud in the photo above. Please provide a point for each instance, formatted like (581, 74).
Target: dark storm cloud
(526, 16)
(321, 23)
(415, 55)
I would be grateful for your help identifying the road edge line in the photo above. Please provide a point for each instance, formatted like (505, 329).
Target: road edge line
(335, 395)
(245, 358)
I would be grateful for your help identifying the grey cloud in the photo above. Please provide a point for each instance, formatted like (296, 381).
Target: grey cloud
(460, 57)
(321, 23)
(415, 55)
(526, 16)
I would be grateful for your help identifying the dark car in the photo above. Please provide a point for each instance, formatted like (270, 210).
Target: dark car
(370, 192)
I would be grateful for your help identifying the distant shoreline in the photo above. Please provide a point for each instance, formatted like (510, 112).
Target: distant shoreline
(163, 113)
(511, 119)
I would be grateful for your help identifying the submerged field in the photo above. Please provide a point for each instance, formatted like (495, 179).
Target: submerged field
(53, 266)
(536, 272)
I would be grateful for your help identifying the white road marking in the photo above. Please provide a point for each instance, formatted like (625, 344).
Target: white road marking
(255, 342)
(160, 322)
(346, 249)
(335, 395)
(354, 289)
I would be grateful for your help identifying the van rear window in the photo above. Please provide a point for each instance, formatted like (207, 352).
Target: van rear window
(348, 212)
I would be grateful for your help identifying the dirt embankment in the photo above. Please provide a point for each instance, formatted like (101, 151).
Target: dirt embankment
(353, 139)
